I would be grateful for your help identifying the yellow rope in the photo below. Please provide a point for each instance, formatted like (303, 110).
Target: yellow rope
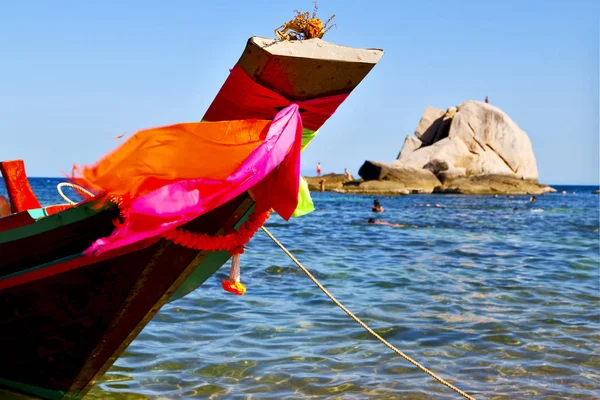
(371, 331)
(76, 187)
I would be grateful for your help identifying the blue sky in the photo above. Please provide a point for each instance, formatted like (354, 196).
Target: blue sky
(74, 74)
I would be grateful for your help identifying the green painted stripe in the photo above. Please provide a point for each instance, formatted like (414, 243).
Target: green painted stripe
(211, 264)
(34, 390)
(69, 216)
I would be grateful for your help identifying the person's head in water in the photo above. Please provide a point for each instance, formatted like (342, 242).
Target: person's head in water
(532, 199)
(377, 206)
(371, 220)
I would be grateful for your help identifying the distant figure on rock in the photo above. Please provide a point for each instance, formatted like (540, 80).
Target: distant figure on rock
(373, 221)
(487, 101)
(377, 207)
(348, 174)
(319, 168)
(322, 182)
(4, 207)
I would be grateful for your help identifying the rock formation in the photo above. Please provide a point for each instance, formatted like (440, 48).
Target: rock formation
(473, 148)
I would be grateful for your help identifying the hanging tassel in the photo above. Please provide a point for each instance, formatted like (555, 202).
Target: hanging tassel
(234, 285)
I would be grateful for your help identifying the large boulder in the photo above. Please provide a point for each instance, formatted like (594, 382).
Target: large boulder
(492, 184)
(501, 145)
(384, 188)
(462, 146)
(412, 179)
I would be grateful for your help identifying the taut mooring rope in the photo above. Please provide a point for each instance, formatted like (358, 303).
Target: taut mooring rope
(365, 326)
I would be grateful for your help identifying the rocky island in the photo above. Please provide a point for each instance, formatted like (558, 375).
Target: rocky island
(474, 148)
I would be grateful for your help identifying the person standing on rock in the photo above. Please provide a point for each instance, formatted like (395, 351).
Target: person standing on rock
(487, 101)
(348, 174)
(319, 168)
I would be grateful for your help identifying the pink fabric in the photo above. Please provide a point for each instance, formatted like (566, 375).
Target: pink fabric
(177, 203)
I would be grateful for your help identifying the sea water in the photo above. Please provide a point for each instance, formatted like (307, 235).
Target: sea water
(498, 295)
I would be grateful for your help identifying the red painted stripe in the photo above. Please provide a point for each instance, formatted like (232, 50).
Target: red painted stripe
(15, 221)
(69, 265)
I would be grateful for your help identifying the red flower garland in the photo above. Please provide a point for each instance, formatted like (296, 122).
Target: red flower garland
(232, 242)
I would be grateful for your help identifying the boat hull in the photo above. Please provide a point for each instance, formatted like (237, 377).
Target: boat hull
(64, 316)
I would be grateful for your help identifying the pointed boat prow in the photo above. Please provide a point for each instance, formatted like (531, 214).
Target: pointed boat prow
(305, 69)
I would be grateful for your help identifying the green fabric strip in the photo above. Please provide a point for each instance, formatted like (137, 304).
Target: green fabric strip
(307, 137)
(305, 203)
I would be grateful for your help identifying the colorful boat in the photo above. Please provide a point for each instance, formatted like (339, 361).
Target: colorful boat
(69, 309)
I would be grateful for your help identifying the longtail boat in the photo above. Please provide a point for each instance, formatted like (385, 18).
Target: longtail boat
(69, 309)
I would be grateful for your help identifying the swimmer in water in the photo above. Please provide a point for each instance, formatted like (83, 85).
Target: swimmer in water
(373, 221)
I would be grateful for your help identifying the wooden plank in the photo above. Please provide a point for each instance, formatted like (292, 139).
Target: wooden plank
(305, 69)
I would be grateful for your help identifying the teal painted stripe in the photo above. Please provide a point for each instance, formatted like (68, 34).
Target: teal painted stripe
(37, 213)
(48, 394)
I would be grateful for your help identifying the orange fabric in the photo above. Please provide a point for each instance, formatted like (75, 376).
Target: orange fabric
(20, 194)
(155, 157)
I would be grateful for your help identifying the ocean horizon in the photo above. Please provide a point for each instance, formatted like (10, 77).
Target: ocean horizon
(305, 173)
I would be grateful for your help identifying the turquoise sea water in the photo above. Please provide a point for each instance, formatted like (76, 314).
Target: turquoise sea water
(499, 296)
